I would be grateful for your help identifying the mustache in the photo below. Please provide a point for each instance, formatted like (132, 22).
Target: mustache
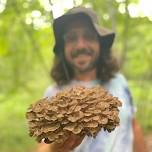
(76, 53)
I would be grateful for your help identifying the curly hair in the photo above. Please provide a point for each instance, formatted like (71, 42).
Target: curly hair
(107, 66)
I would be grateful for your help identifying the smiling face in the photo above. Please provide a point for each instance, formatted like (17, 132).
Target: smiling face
(81, 45)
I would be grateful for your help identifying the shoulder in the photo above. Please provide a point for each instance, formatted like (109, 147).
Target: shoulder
(51, 91)
(118, 87)
(118, 81)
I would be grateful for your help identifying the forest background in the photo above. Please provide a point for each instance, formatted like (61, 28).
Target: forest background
(26, 43)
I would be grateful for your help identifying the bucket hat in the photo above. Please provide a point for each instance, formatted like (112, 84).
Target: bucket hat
(106, 36)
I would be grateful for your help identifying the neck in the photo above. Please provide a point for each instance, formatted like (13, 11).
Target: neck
(86, 76)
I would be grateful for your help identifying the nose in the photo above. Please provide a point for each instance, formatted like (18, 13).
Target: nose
(81, 43)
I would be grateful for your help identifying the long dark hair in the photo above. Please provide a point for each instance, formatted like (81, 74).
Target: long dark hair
(107, 66)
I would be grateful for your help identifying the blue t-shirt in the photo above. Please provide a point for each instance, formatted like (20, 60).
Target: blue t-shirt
(119, 140)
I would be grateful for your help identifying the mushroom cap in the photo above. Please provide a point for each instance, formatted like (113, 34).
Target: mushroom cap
(78, 110)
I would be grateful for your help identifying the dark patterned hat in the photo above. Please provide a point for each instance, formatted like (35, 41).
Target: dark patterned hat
(106, 37)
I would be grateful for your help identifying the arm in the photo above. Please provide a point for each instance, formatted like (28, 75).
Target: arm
(139, 143)
(72, 142)
(42, 147)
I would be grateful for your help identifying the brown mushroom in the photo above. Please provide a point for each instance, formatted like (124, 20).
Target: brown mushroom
(79, 110)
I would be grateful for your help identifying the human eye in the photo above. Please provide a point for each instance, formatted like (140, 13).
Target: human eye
(70, 37)
(90, 36)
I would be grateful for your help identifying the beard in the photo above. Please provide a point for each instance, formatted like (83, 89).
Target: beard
(79, 61)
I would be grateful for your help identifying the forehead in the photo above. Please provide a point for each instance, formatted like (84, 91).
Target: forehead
(79, 23)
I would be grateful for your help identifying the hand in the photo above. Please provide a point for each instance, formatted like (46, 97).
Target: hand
(72, 142)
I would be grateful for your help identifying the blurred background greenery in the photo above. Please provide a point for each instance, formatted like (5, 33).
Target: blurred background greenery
(26, 42)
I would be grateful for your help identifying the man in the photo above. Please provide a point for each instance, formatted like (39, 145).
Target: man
(83, 56)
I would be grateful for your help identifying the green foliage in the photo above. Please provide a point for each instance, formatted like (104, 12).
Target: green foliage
(14, 135)
(142, 99)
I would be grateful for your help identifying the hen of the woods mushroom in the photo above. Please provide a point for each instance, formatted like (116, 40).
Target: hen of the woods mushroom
(79, 110)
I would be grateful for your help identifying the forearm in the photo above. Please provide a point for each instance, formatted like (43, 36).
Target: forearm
(139, 142)
(72, 142)
(42, 147)
(59, 148)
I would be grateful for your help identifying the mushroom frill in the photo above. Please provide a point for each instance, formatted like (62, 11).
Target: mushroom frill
(78, 110)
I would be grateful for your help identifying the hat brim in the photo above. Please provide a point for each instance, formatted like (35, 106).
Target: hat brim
(106, 36)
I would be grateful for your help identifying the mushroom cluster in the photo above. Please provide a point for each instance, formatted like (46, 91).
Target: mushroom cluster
(79, 110)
